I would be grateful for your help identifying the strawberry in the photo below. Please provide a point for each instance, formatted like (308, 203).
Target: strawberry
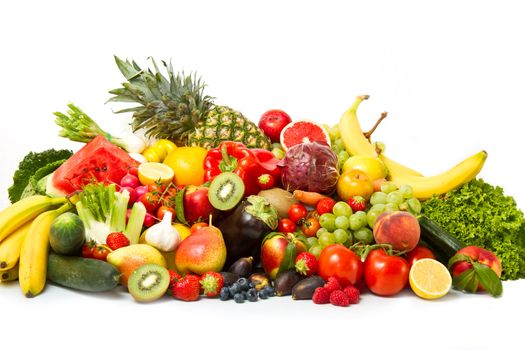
(174, 277)
(352, 293)
(357, 203)
(212, 283)
(306, 264)
(117, 240)
(339, 298)
(187, 288)
(265, 181)
(332, 284)
(321, 296)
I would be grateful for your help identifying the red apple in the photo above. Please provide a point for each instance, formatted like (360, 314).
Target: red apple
(197, 206)
(273, 251)
(273, 122)
(470, 255)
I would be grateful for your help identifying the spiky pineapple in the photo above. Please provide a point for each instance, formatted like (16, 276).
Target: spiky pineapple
(176, 108)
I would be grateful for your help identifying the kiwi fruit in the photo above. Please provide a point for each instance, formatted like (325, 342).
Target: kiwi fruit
(148, 282)
(226, 191)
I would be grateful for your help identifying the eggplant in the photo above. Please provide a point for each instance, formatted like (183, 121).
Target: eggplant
(244, 228)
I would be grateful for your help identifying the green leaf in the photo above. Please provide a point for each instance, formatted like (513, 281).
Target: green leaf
(458, 258)
(290, 254)
(488, 279)
(465, 281)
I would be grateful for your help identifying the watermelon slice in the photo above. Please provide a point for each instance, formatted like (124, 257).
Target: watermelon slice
(98, 161)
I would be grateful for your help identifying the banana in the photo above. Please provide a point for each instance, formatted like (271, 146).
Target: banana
(9, 275)
(25, 210)
(426, 186)
(396, 167)
(10, 247)
(33, 255)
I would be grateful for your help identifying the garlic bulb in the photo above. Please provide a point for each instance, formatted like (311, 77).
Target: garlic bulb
(163, 235)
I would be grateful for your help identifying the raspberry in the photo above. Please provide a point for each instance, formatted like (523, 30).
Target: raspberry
(332, 284)
(352, 293)
(339, 298)
(321, 296)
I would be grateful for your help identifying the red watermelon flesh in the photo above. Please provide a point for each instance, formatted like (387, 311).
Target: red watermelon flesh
(98, 161)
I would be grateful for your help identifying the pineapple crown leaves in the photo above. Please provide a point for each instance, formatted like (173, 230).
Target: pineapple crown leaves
(169, 105)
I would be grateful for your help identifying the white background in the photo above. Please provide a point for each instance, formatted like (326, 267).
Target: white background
(449, 73)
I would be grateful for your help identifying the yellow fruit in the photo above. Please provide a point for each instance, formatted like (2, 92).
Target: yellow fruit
(429, 279)
(153, 173)
(187, 163)
(183, 230)
(370, 165)
(165, 145)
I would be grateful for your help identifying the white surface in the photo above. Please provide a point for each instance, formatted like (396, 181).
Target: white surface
(449, 74)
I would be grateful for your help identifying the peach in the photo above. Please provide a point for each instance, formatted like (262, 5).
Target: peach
(398, 228)
(476, 254)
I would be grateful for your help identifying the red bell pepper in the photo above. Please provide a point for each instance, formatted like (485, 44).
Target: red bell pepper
(249, 164)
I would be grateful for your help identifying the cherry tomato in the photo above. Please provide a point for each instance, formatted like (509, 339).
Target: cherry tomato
(157, 189)
(100, 252)
(310, 226)
(163, 209)
(87, 250)
(286, 226)
(150, 201)
(325, 205)
(196, 226)
(297, 212)
(385, 274)
(168, 200)
(340, 262)
(419, 253)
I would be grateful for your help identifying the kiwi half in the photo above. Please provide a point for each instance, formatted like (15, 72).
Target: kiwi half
(226, 191)
(148, 282)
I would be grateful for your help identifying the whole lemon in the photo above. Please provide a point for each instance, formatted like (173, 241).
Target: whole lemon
(373, 167)
(187, 163)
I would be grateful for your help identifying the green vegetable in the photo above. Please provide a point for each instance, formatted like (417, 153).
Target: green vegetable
(67, 234)
(38, 182)
(482, 215)
(441, 242)
(30, 166)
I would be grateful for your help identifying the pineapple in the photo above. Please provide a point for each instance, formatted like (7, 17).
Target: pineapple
(175, 108)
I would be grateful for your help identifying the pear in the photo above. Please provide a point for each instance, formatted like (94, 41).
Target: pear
(127, 259)
(202, 251)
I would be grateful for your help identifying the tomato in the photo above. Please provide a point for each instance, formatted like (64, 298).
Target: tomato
(310, 226)
(168, 201)
(297, 212)
(157, 189)
(325, 205)
(150, 201)
(340, 262)
(419, 253)
(385, 274)
(198, 225)
(286, 226)
(87, 250)
(163, 209)
(100, 252)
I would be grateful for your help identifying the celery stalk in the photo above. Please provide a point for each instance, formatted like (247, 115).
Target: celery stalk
(118, 212)
(136, 219)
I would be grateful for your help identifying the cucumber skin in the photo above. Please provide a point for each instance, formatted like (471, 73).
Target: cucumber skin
(442, 242)
(89, 275)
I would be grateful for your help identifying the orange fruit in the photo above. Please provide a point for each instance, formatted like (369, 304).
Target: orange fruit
(187, 164)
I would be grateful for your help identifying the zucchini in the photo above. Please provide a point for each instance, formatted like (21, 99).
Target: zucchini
(441, 242)
(89, 275)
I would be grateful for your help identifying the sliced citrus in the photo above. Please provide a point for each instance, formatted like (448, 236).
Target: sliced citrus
(303, 131)
(429, 279)
(151, 173)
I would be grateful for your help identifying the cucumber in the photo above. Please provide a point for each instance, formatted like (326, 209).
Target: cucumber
(67, 234)
(89, 275)
(441, 242)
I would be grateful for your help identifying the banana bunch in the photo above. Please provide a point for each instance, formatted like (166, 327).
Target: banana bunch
(424, 186)
(24, 240)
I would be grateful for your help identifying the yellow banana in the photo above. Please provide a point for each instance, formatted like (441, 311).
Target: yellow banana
(396, 167)
(9, 275)
(426, 186)
(33, 255)
(10, 247)
(25, 210)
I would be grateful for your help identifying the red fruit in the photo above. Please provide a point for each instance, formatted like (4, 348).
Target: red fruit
(303, 131)
(266, 181)
(339, 298)
(340, 262)
(197, 226)
(321, 296)
(101, 252)
(306, 264)
(357, 203)
(211, 283)
(352, 293)
(324, 206)
(174, 277)
(187, 288)
(273, 122)
(297, 212)
(286, 225)
(197, 206)
(332, 284)
(87, 249)
(116, 240)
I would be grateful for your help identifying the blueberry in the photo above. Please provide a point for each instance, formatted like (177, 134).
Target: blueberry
(234, 289)
(225, 293)
(270, 291)
(244, 294)
(251, 285)
(243, 283)
(238, 298)
(263, 294)
(251, 295)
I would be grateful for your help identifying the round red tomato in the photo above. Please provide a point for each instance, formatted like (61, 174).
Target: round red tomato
(297, 212)
(163, 209)
(385, 274)
(310, 226)
(325, 205)
(340, 262)
(196, 226)
(150, 201)
(101, 252)
(286, 226)
(419, 253)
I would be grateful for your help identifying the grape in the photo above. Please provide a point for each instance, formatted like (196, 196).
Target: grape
(310, 241)
(316, 250)
(388, 187)
(406, 191)
(334, 133)
(391, 207)
(371, 217)
(414, 206)
(342, 157)
(327, 221)
(378, 198)
(342, 209)
(339, 144)
(326, 239)
(364, 235)
(358, 220)
(340, 235)
(342, 222)
(394, 197)
(349, 241)
(379, 208)
(321, 230)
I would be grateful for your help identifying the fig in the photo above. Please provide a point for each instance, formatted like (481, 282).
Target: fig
(304, 289)
(229, 278)
(285, 282)
(242, 267)
(259, 280)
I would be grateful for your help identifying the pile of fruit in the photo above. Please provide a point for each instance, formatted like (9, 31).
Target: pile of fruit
(201, 202)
